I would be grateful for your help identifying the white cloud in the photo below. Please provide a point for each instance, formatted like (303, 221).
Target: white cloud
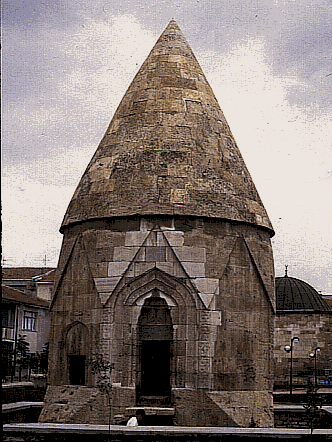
(51, 135)
(32, 214)
(56, 127)
(287, 152)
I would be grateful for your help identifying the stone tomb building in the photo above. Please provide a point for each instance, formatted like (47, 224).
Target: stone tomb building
(303, 313)
(166, 267)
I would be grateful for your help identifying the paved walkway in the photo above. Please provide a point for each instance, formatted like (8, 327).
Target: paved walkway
(162, 431)
(18, 384)
(7, 408)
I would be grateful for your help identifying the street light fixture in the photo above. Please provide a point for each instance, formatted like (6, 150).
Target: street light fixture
(289, 349)
(314, 355)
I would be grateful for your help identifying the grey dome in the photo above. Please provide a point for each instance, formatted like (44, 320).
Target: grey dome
(294, 295)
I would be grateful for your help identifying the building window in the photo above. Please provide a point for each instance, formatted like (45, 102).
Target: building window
(8, 317)
(30, 321)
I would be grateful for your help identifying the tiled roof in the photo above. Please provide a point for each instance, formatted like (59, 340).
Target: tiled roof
(328, 301)
(43, 273)
(13, 295)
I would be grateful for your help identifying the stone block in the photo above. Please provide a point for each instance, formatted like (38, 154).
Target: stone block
(74, 404)
(191, 348)
(170, 255)
(206, 299)
(215, 318)
(106, 285)
(179, 196)
(124, 253)
(122, 397)
(117, 268)
(161, 240)
(99, 269)
(179, 270)
(142, 267)
(109, 238)
(151, 239)
(244, 406)
(204, 364)
(194, 269)
(205, 349)
(207, 285)
(174, 238)
(190, 254)
(96, 315)
(106, 332)
(136, 238)
(155, 254)
(167, 267)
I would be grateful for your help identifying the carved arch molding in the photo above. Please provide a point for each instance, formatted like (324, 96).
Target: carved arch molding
(126, 306)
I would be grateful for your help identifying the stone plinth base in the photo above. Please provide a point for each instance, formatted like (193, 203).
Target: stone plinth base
(223, 408)
(42, 432)
(246, 408)
(160, 411)
(190, 407)
(74, 404)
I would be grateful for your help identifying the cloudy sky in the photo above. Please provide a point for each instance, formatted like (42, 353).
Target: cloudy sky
(67, 64)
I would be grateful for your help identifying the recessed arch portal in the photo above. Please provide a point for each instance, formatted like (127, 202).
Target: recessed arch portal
(155, 341)
(76, 346)
(180, 300)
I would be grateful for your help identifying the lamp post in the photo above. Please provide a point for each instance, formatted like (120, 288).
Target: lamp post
(289, 349)
(314, 355)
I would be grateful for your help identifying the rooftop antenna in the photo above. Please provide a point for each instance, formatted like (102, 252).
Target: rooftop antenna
(286, 269)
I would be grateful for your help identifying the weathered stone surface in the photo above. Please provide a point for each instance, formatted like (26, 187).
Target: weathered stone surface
(206, 298)
(194, 269)
(313, 330)
(166, 237)
(171, 137)
(124, 253)
(74, 404)
(246, 408)
(190, 254)
(174, 238)
(117, 268)
(207, 285)
(135, 238)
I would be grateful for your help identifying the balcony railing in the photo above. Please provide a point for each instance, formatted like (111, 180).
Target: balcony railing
(8, 334)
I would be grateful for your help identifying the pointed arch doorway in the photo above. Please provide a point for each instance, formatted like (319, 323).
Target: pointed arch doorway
(77, 344)
(155, 342)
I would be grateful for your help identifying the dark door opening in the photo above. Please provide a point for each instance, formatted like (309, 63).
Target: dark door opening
(76, 369)
(155, 333)
(155, 368)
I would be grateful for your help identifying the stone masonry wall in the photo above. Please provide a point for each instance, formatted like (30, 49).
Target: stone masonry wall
(313, 330)
(217, 278)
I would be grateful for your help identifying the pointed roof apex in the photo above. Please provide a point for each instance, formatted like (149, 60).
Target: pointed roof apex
(172, 24)
(168, 149)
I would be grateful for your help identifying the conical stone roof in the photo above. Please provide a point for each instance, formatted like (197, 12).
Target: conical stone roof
(168, 149)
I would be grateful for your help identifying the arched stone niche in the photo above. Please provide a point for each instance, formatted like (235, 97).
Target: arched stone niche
(126, 305)
(76, 351)
(155, 360)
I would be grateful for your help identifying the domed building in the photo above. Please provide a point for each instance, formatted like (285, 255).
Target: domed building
(303, 313)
